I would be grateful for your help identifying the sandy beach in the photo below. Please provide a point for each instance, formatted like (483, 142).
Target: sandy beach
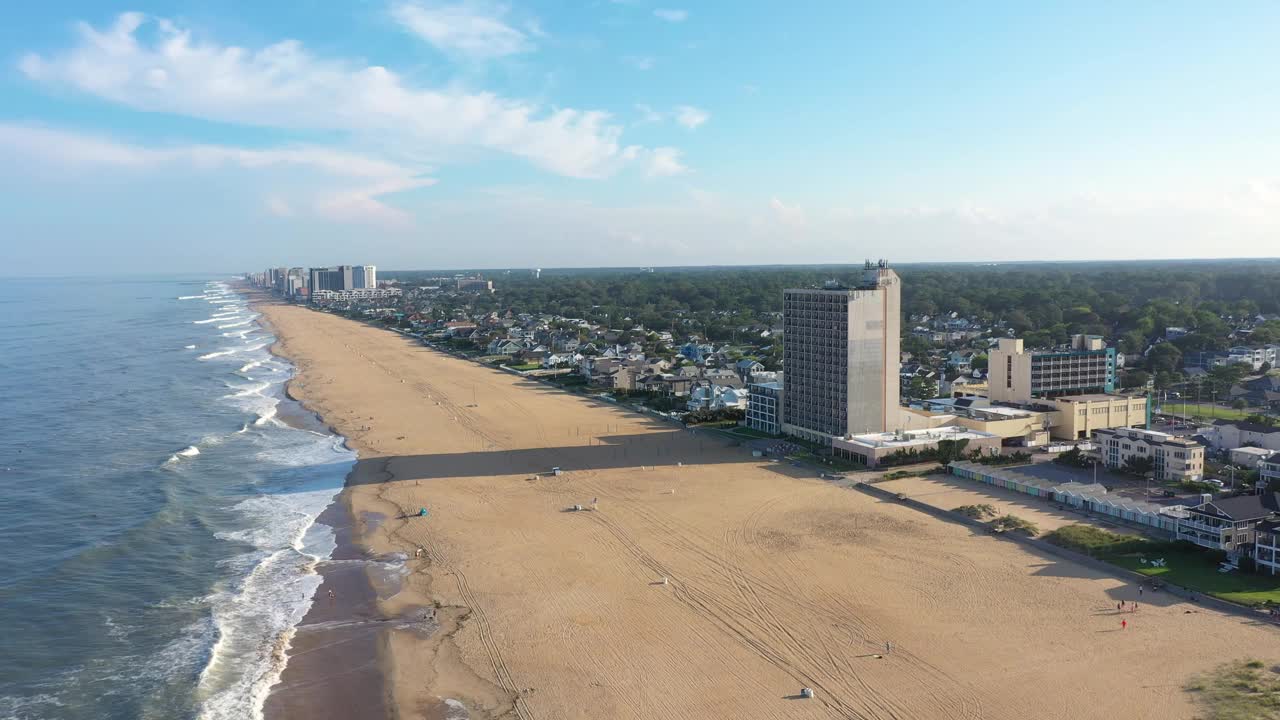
(774, 579)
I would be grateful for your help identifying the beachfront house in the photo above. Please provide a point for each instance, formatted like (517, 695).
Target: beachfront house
(1229, 524)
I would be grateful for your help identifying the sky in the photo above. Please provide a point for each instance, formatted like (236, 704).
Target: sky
(228, 136)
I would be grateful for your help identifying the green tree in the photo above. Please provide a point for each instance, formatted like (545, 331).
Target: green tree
(1135, 379)
(1164, 357)
(1139, 465)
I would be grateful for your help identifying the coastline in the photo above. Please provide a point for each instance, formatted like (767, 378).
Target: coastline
(339, 664)
(333, 667)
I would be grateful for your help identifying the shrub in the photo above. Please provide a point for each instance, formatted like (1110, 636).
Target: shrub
(1239, 689)
(977, 512)
(1013, 523)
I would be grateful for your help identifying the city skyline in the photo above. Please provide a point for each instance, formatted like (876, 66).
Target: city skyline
(181, 136)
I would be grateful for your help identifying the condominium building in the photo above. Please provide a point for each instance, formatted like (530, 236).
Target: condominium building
(764, 407)
(1172, 458)
(358, 294)
(841, 356)
(364, 277)
(1017, 375)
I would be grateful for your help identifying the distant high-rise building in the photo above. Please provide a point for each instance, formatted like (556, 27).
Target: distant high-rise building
(841, 356)
(335, 278)
(368, 274)
(346, 277)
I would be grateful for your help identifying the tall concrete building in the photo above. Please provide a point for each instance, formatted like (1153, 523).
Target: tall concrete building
(364, 277)
(1015, 375)
(841, 356)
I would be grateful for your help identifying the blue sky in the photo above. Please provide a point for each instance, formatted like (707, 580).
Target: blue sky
(221, 136)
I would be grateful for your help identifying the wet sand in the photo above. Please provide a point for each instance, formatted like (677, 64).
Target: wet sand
(774, 580)
(333, 671)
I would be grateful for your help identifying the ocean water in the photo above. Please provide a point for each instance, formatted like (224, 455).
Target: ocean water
(157, 518)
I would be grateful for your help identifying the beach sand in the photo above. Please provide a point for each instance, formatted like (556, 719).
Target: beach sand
(775, 579)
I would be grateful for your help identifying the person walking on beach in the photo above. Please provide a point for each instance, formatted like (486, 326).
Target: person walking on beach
(1124, 624)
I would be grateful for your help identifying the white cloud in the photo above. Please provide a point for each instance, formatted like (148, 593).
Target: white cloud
(471, 29)
(691, 117)
(648, 115)
(285, 86)
(787, 214)
(279, 207)
(687, 116)
(639, 62)
(665, 162)
(674, 16)
(350, 187)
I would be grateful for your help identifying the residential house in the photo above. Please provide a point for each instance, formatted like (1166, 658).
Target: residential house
(707, 396)
(667, 385)
(1228, 524)
(505, 346)
(961, 360)
(1227, 434)
(1266, 547)
(1269, 471)
(1250, 458)
(1259, 392)
(556, 360)
(746, 367)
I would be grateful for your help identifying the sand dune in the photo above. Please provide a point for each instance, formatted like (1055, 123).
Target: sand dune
(775, 579)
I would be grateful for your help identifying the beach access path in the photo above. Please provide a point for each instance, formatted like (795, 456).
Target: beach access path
(774, 579)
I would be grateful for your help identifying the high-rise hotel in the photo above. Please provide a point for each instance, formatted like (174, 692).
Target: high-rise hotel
(841, 356)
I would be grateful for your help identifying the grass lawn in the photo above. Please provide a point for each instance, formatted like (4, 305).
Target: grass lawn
(749, 432)
(1198, 571)
(1205, 410)
(1188, 566)
(526, 366)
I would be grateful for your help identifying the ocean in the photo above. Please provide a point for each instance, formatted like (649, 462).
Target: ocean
(158, 518)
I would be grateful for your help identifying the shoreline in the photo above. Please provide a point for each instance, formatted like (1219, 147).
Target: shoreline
(336, 632)
(354, 631)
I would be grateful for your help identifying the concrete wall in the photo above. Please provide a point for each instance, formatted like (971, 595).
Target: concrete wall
(1078, 419)
(1009, 372)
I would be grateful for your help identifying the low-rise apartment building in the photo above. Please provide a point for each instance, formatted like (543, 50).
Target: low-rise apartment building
(1172, 458)
(764, 407)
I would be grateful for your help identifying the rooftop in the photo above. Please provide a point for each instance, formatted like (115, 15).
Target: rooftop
(907, 438)
(1242, 507)
(1249, 427)
(1095, 397)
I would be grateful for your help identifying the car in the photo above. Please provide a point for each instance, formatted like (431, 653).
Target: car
(1215, 481)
